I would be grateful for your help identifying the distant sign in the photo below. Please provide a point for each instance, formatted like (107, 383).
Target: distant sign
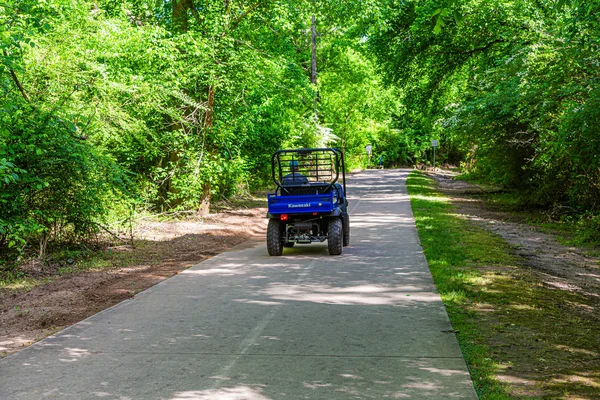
(369, 149)
(434, 143)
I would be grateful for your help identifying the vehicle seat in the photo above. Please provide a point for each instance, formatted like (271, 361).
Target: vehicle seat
(312, 188)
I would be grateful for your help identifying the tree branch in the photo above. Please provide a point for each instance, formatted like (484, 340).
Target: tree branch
(484, 48)
(241, 17)
(194, 11)
(15, 79)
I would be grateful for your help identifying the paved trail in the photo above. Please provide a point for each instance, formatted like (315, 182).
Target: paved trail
(245, 326)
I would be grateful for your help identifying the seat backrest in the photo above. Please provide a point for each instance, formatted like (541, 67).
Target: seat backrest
(313, 188)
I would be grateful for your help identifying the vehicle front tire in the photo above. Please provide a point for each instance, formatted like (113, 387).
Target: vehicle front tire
(274, 238)
(334, 237)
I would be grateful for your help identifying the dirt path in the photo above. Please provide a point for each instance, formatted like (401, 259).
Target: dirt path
(558, 266)
(162, 250)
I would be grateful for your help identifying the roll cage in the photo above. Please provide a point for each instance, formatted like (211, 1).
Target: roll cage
(322, 168)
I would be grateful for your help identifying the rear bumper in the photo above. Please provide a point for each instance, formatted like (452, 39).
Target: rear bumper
(292, 217)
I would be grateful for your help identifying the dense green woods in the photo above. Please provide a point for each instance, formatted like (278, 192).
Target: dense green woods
(110, 108)
(511, 85)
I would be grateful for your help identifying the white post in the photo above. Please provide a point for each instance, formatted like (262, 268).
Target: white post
(434, 144)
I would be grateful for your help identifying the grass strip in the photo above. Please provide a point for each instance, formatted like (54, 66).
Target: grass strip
(450, 245)
(520, 339)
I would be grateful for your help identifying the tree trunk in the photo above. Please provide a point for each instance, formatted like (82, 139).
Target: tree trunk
(313, 67)
(204, 209)
(180, 15)
(210, 104)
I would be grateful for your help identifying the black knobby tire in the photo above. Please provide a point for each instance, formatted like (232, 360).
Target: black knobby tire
(274, 238)
(334, 236)
(347, 231)
(288, 244)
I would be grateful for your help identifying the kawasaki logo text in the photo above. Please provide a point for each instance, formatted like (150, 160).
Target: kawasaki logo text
(299, 205)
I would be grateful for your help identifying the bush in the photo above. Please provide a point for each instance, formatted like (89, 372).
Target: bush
(54, 185)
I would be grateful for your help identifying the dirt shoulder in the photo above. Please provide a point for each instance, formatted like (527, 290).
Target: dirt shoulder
(558, 266)
(162, 250)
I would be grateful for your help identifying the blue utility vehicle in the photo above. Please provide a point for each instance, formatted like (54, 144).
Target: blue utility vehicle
(309, 204)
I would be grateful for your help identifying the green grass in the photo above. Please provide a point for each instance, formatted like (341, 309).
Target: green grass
(451, 245)
(511, 327)
(64, 261)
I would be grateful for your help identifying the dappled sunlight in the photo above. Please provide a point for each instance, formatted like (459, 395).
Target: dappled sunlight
(366, 294)
(424, 218)
(235, 393)
(351, 376)
(316, 385)
(514, 380)
(469, 217)
(426, 187)
(382, 198)
(426, 386)
(433, 199)
(400, 396)
(356, 187)
(489, 279)
(482, 307)
(563, 285)
(576, 350)
(101, 395)
(522, 307)
(458, 296)
(446, 372)
(380, 222)
(13, 342)
(270, 338)
(75, 354)
(590, 275)
(589, 379)
(24, 284)
(259, 302)
(214, 271)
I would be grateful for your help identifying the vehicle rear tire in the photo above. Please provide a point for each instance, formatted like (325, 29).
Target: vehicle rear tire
(274, 238)
(288, 244)
(347, 231)
(334, 236)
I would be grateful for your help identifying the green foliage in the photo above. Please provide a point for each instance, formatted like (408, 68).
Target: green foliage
(60, 186)
(512, 85)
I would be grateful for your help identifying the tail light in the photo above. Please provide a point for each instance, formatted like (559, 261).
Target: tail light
(284, 217)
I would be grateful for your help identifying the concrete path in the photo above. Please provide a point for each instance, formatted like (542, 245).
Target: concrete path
(245, 326)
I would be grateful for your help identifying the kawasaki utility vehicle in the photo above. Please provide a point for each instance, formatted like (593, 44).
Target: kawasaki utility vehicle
(309, 204)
